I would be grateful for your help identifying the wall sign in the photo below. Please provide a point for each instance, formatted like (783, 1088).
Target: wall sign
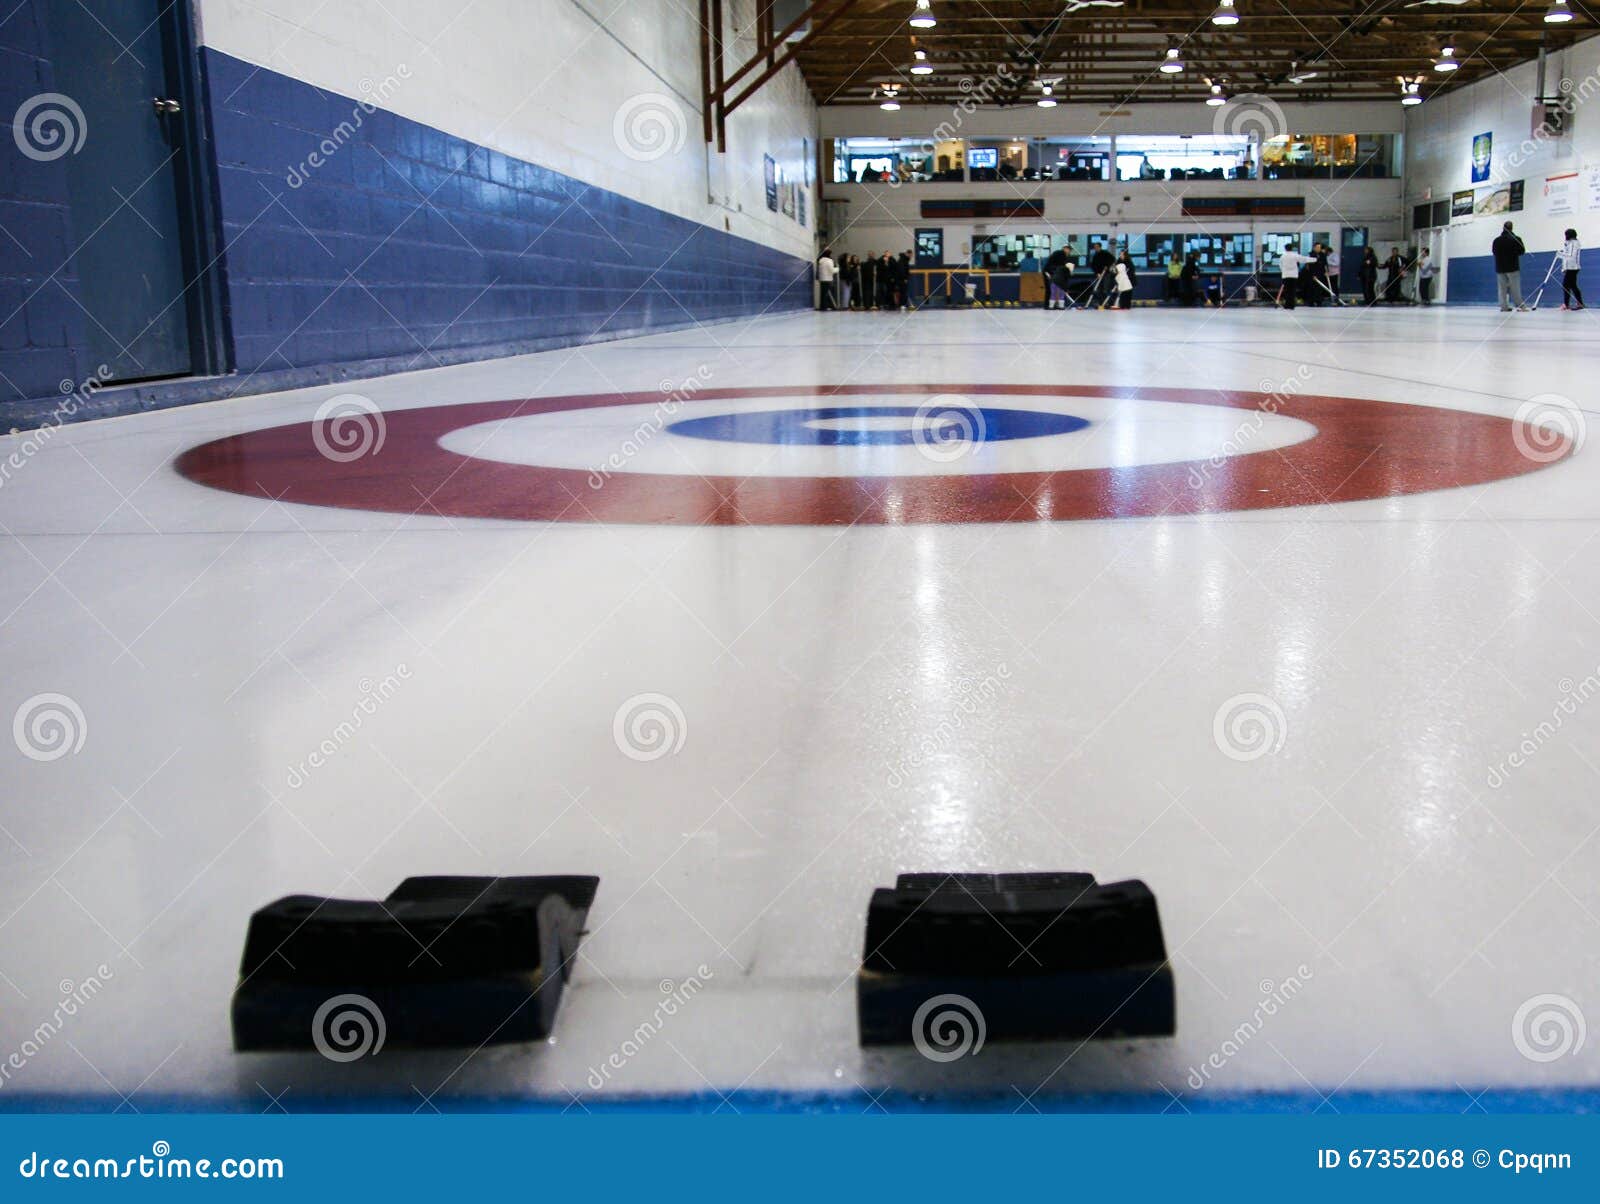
(1560, 194)
(769, 169)
(1461, 203)
(1482, 153)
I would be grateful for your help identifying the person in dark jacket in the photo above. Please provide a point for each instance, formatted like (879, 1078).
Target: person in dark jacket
(867, 273)
(902, 278)
(1369, 276)
(850, 283)
(886, 283)
(1189, 277)
(1056, 277)
(1101, 264)
(1508, 252)
(1395, 268)
(1320, 293)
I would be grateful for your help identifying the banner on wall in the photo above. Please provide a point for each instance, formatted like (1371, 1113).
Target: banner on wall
(1492, 201)
(1559, 194)
(1518, 190)
(769, 168)
(1461, 203)
(1482, 153)
(1591, 189)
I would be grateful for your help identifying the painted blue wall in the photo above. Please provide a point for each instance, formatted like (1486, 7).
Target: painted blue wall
(1471, 280)
(41, 328)
(408, 242)
(405, 248)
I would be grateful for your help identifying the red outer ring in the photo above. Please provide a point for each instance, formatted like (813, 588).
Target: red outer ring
(1363, 449)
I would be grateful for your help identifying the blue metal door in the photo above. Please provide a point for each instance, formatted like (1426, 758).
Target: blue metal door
(123, 183)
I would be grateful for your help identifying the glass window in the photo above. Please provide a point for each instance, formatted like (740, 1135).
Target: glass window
(1320, 156)
(1005, 252)
(996, 160)
(1078, 159)
(875, 160)
(1183, 157)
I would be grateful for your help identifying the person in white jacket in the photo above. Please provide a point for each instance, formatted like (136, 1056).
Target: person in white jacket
(1571, 262)
(827, 269)
(1123, 271)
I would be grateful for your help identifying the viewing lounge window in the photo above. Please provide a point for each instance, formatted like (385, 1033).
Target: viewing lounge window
(882, 160)
(1183, 157)
(1324, 156)
(991, 160)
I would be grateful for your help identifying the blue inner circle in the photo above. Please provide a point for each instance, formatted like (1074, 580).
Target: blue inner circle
(966, 424)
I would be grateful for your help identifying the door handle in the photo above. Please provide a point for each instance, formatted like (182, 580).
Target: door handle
(164, 105)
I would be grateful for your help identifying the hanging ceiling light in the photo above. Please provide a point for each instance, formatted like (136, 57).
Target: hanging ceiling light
(922, 18)
(1226, 14)
(891, 98)
(1218, 97)
(1558, 13)
(1446, 60)
(922, 66)
(1172, 64)
(1410, 92)
(1048, 100)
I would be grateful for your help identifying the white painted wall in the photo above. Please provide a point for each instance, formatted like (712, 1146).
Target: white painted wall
(545, 80)
(1439, 137)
